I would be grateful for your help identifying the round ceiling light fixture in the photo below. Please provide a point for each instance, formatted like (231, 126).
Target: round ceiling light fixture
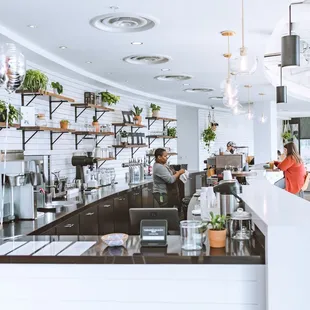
(123, 22)
(199, 90)
(168, 78)
(217, 98)
(136, 43)
(146, 59)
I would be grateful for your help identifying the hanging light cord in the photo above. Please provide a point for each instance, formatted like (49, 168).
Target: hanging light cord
(290, 16)
(228, 60)
(243, 24)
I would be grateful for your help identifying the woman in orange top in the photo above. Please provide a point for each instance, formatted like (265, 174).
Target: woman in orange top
(294, 170)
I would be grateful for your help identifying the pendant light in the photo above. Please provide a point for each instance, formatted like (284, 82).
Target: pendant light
(290, 45)
(228, 86)
(263, 118)
(250, 114)
(244, 64)
(238, 109)
(281, 91)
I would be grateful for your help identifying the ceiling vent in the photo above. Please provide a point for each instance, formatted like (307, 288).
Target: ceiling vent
(218, 98)
(181, 77)
(122, 22)
(146, 59)
(199, 90)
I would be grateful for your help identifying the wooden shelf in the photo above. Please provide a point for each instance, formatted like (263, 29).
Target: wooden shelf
(91, 106)
(3, 125)
(128, 125)
(94, 133)
(169, 154)
(105, 159)
(161, 137)
(42, 128)
(129, 146)
(166, 119)
(45, 95)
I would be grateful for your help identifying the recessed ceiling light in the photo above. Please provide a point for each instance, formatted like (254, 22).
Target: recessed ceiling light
(136, 43)
(88, 62)
(218, 98)
(165, 69)
(186, 84)
(109, 73)
(63, 47)
(32, 26)
(126, 81)
(199, 90)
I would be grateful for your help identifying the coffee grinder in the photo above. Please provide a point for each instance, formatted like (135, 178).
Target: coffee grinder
(82, 161)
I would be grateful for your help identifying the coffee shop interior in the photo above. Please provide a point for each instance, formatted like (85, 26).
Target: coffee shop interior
(154, 154)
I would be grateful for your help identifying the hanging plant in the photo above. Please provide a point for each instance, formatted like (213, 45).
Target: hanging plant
(109, 98)
(287, 136)
(13, 113)
(208, 135)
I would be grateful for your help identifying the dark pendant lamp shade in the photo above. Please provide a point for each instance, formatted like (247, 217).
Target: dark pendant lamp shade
(290, 55)
(281, 94)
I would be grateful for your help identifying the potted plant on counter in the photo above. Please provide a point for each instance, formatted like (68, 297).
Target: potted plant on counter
(13, 113)
(217, 232)
(57, 88)
(124, 137)
(64, 124)
(208, 135)
(137, 114)
(155, 109)
(172, 132)
(35, 81)
(95, 123)
(109, 98)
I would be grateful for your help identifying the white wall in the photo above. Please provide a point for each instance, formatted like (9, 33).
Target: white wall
(65, 146)
(235, 128)
(188, 137)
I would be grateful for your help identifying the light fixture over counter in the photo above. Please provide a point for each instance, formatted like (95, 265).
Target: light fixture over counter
(281, 91)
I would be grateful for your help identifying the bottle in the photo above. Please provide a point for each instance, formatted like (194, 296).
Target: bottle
(141, 171)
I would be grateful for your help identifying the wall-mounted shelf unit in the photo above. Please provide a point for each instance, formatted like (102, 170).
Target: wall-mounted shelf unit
(122, 125)
(85, 134)
(83, 107)
(128, 146)
(166, 121)
(46, 95)
(103, 160)
(3, 125)
(36, 129)
(154, 137)
(152, 155)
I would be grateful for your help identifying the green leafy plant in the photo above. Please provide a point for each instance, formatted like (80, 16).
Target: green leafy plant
(136, 110)
(124, 134)
(65, 121)
(287, 136)
(34, 81)
(172, 132)
(13, 113)
(58, 87)
(208, 135)
(217, 222)
(155, 107)
(95, 120)
(109, 98)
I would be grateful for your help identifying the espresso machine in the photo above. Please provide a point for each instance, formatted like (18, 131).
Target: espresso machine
(82, 162)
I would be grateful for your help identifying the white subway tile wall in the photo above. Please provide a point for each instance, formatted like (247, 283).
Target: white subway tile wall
(236, 128)
(65, 146)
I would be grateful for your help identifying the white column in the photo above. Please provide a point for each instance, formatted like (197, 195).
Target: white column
(265, 134)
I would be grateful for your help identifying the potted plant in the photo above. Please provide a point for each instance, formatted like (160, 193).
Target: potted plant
(95, 123)
(208, 135)
(155, 109)
(13, 113)
(217, 232)
(57, 88)
(287, 136)
(124, 137)
(172, 132)
(109, 98)
(35, 81)
(137, 114)
(64, 124)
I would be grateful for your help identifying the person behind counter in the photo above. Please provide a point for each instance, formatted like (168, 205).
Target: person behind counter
(230, 148)
(165, 187)
(294, 171)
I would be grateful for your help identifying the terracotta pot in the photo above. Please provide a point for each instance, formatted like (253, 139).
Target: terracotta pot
(138, 119)
(64, 125)
(97, 126)
(217, 238)
(155, 113)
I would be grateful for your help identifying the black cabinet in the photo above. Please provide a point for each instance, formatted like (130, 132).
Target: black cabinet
(135, 198)
(89, 221)
(69, 227)
(147, 196)
(49, 232)
(106, 217)
(121, 214)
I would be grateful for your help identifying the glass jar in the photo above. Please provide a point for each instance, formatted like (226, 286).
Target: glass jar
(240, 225)
(191, 235)
(110, 151)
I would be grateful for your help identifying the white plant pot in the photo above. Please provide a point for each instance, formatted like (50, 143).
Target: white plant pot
(149, 112)
(124, 140)
(55, 91)
(155, 113)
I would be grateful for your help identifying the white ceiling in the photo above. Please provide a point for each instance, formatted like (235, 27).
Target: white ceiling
(188, 32)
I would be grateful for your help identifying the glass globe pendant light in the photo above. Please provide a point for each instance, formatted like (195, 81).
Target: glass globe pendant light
(244, 63)
(238, 109)
(263, 119)
(250, 114)
(228, 86)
